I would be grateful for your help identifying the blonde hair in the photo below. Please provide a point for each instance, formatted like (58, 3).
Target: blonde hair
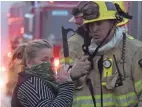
(33, 47)
(22, 53)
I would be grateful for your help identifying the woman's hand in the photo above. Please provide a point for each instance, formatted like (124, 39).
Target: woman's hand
(63, 75)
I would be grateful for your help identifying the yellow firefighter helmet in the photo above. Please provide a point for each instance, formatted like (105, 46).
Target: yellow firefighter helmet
(100, 10)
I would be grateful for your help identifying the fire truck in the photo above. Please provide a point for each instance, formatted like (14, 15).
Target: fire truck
(38, 20)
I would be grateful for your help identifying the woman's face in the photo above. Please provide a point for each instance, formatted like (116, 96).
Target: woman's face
(43, 55)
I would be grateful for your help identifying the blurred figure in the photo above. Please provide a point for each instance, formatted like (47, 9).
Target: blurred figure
(15, 66)
(75, 43)
(17, 41)
(15, 63)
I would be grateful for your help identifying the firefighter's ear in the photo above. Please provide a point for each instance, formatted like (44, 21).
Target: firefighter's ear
(140, 63)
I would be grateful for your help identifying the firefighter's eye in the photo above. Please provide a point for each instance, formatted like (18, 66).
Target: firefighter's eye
(98, 23)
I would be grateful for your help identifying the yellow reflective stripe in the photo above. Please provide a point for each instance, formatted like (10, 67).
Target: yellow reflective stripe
(128, 99)
(104, 83)
(63, 60)
(108, 100)
(84, 105)
(130, 37)
(138, 86)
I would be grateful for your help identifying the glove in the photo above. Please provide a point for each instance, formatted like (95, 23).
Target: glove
(80, 68)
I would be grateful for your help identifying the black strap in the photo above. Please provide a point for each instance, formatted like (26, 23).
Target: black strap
(119, 81)
(89, 83)
(100, 66)
(121, 13)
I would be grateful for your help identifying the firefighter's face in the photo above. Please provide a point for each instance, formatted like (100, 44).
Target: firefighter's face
(99, 30)
(43, 55)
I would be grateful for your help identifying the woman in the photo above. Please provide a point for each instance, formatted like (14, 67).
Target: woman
(36, 86)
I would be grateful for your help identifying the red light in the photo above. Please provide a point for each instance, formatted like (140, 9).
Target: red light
(9, 54)
(2, 77)
(56, 63)
(51, 2)
(22, 30)
(8, 15)
(3, 69)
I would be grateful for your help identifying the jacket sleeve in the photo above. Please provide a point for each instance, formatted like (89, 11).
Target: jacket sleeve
(137, 75)
(75, 52)
(36, 93)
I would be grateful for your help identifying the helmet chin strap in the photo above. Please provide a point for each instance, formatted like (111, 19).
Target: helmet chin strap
(102, 42)
(108, 36)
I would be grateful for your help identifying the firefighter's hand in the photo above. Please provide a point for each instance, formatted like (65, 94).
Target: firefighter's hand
(80, 68)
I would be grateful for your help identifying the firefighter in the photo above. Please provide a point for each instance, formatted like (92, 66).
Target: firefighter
(116, 74)
(76, 41)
